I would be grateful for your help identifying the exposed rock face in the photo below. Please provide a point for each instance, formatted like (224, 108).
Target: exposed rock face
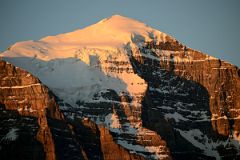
(18, 137)
(99, 143)
(88, 134)
(190, 90)
(221, 80)
(25, 93)
(23, 96)
(111, 150)
(136, 94)
(22, 92)
(44, 135)
(67, 145)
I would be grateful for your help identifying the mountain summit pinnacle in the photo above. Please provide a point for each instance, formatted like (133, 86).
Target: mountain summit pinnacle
(108, 34)
(114, 31)
(119, 19)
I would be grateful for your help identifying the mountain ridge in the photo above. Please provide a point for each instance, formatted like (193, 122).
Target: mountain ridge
(139, 84)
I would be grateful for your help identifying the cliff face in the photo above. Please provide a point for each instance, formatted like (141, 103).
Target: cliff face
(185, 98)
(27, 98)
(189, 94)
(23, 92)
(30, 114)
(20, 91)
(108, 146)
(221, 80)
(99, 143)
(18, 137)
(182, 98)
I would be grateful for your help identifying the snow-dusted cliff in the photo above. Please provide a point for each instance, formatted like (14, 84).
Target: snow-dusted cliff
(138, 83)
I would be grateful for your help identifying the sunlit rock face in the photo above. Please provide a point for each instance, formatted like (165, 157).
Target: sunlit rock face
(219, 78)
(25, 93)
(127, 88)
(23, 97)
(34, 126)
(187, 96)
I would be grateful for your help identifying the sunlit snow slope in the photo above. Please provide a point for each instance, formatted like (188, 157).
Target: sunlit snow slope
(54, 59)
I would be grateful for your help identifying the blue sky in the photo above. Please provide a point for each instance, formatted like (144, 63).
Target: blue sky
(211, 26)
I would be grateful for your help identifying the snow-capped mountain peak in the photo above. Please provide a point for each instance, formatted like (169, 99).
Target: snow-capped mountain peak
(114, 31)
(125, 75)
(96, 48)
(110, 33)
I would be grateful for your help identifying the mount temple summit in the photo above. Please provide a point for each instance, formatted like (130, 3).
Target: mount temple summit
(117, 90)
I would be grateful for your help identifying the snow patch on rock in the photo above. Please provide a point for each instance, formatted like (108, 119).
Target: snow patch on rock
(12, 135)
